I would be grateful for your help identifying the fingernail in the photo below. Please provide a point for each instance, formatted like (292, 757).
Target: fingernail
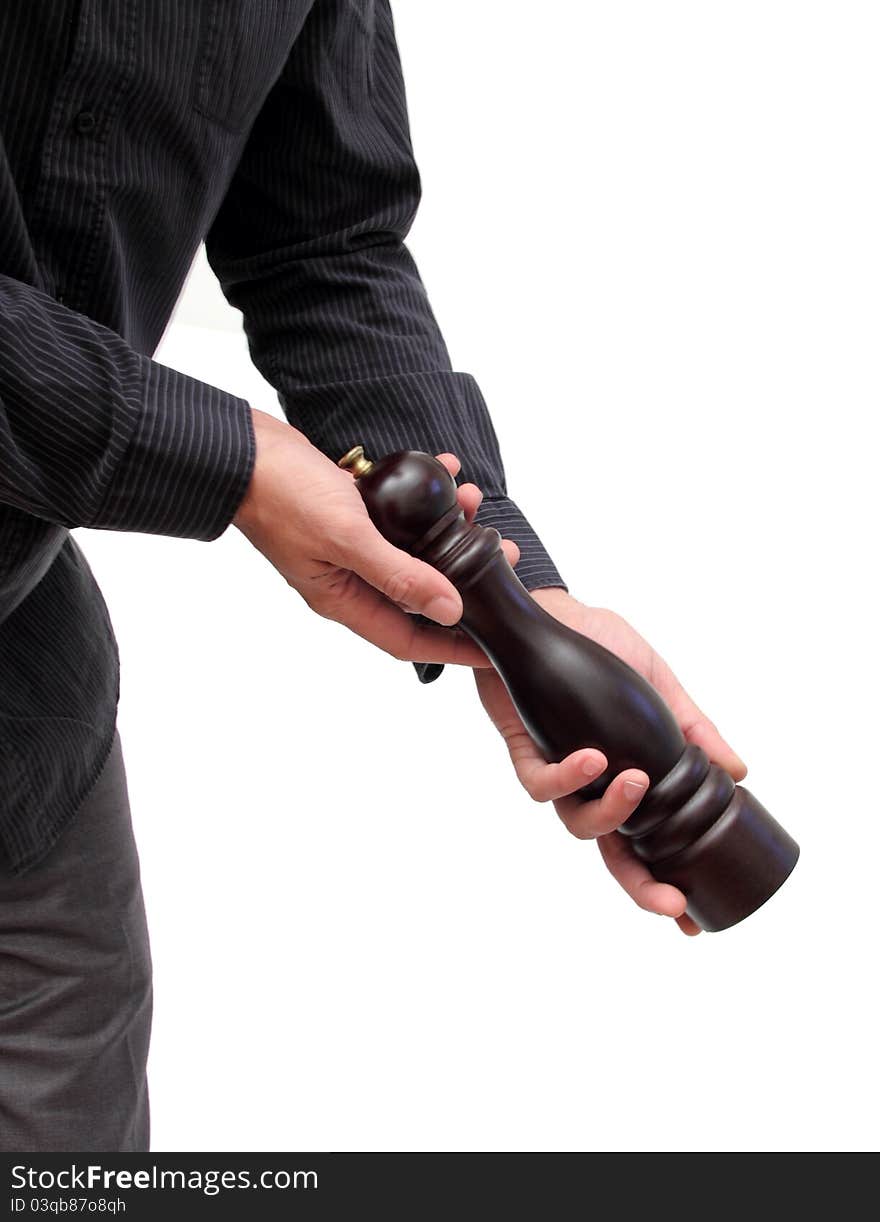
(444, 610)
(634, 790)
(591, 767)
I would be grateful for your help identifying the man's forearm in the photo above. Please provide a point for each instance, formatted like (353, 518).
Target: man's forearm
(310, 245)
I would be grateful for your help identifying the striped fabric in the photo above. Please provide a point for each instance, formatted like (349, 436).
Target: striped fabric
(130, 131)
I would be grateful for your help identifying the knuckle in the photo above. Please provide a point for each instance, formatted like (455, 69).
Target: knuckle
(399, 586)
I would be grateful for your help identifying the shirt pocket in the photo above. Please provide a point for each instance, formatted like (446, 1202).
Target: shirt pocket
(242, 49)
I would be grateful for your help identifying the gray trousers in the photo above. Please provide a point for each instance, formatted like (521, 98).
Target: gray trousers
(76, 987)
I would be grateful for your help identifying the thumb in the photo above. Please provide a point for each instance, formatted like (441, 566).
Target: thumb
(406, 581)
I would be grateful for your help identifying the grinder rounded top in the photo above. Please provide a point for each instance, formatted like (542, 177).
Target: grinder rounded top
(406, 493)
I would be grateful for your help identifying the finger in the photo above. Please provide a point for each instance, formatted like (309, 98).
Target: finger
(511, 551)
(638, 882)
(688, 926)
(543, 781)
(362, 609)
(704, 734)
(546, 782)
(601, 815)
(450, 462)
(402, 578)
(469, 498)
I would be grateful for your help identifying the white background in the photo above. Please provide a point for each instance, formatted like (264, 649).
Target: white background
(651, 232)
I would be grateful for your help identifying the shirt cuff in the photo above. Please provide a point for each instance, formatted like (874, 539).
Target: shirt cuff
(535, 569)
(187, 466)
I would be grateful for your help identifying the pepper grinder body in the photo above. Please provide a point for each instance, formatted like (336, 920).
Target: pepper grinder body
(695, 828)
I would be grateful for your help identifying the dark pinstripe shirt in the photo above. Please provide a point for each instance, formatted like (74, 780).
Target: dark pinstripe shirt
(130, 131)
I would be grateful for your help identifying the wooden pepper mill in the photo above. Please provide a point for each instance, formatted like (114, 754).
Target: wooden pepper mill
(695, 828)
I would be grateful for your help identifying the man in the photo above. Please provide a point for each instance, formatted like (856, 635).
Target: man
(276, 132)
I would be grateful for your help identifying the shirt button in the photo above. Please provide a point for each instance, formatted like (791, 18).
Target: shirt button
(85, 122)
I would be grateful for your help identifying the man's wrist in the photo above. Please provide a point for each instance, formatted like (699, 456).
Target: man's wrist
(550, 594)
(268, 431)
